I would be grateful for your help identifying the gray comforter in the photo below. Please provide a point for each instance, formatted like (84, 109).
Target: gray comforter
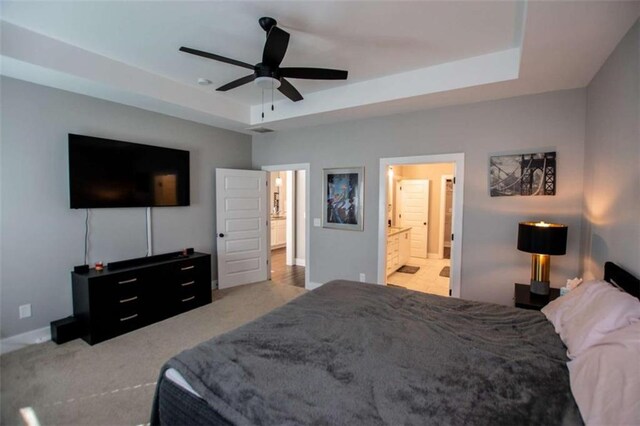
(351, 353)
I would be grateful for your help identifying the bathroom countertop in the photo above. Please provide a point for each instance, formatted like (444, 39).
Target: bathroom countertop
(396, 230)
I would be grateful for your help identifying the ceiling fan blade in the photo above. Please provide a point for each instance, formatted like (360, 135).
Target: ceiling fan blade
(235, 83)
(275, 47)
(216, 57)
(314, 73)
(289, 91)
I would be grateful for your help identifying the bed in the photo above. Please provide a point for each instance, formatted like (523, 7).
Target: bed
(354, 353)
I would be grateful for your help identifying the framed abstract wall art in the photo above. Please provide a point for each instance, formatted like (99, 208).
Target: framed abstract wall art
(343, 198)
(522, 174)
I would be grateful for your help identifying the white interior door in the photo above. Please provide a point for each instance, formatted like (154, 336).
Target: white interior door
(414, 213)
(241, 226)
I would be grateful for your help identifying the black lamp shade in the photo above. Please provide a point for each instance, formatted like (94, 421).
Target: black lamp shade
(542, 238)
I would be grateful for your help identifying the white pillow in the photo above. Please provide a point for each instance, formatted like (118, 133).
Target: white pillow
(596, 309)
(556, 309)
(605, 379)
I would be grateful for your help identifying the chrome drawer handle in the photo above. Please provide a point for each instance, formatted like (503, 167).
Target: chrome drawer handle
(189, 283)
(132, 280)
(188, 298)
(186, 268)
(128, 318)
(131, 299)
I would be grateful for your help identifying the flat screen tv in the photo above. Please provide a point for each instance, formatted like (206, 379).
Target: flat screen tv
(109, 173)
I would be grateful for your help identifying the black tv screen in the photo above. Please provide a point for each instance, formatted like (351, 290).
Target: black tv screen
(108, 173)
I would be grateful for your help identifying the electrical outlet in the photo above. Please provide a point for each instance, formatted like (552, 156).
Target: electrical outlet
(317, 222)
(25, 311)
(363, 277)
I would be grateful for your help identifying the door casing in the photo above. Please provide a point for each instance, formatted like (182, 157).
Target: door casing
(458, 202)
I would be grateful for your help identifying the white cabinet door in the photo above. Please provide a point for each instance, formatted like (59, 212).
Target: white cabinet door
(405, 248)
(281, 232)
(241, 222)
(273, 233)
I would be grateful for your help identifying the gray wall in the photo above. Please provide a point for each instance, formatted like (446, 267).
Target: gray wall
(490, 261)
(612, 161)
(42, 239)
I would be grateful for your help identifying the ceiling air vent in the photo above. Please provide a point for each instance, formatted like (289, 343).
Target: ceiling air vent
(261, 130)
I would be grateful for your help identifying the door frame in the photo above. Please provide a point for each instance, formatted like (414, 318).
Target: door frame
(307, 207)
(443, 207)
(458, 201)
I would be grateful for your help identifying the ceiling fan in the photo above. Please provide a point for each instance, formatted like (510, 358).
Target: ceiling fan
(268, 74)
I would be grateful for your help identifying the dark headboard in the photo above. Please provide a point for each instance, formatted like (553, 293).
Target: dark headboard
(623, 279)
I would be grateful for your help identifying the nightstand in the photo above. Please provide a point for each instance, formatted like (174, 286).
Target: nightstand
(524, 299)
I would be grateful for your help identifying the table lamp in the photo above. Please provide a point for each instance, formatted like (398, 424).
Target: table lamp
(541, 240)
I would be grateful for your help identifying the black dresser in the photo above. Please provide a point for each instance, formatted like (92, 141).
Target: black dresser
(134, 293)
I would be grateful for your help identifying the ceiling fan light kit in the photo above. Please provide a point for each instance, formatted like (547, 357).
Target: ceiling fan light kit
(268, 74)
(267, 83)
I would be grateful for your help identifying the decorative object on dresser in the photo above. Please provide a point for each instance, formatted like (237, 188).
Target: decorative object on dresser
(541, 240)
(343, 196)
(526, 300)
(134, 293)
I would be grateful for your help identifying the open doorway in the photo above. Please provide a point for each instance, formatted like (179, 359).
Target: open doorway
(288, 224)
(420, 211)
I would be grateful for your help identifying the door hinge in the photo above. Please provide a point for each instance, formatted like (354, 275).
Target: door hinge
(400, 188)
(454, 180)
(267, 261)
(449, 292)
(452, 237)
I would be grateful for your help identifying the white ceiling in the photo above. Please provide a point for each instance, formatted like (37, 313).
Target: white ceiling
(400, 55)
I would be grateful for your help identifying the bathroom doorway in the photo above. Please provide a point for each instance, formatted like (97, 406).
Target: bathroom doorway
(288, 224)
(421, 198)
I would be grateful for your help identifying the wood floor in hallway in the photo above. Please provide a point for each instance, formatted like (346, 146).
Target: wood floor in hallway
(283, 273)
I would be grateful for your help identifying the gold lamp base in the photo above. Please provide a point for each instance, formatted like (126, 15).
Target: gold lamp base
(540, 269)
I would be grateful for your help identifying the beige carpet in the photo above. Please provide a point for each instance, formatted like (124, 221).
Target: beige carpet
(112, 383)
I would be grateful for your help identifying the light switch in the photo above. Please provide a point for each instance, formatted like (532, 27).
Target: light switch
(317, 222)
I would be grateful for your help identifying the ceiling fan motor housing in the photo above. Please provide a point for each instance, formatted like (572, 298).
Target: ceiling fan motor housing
(262, 70)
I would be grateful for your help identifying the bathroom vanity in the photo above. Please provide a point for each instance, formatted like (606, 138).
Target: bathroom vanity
(398, 248)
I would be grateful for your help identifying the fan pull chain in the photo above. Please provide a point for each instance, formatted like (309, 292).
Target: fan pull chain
(262, 104)
(272, 109)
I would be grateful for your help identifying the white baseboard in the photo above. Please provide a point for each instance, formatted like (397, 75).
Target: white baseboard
(19, 341)
(312, 285)
(433, 256)
(41, 335)
(301, 262)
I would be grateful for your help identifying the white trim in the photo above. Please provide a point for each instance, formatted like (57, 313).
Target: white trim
(458, 201)
(149, 233)
(290, 220)
(313, 286)
(443, 207)
(214, 284)
(19, 341)
(434, 256)
(307, 228)
(300, 262)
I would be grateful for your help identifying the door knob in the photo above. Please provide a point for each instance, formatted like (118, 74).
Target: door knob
(424, 223)
(221, 235)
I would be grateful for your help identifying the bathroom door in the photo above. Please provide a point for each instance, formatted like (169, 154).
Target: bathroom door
(241, 226)
(413, 212)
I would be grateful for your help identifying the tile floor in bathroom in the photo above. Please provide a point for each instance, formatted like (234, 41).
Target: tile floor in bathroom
(427, 279)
